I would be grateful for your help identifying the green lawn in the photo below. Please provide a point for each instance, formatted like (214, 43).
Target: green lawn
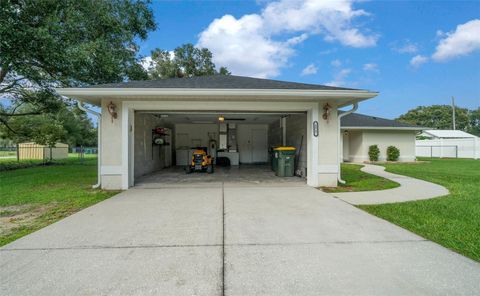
(360, 181)
(452, 221)
(31, 198)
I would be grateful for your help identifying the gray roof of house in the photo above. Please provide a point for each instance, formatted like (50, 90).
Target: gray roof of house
(361, 120)
(218, 82)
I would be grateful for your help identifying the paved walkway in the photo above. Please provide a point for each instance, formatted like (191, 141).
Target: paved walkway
(410, 189)
(230, 239)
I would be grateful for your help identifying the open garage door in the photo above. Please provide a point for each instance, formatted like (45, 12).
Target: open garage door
(239, 144)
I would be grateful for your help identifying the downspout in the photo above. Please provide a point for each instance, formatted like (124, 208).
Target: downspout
(99, 139)
(340, 153)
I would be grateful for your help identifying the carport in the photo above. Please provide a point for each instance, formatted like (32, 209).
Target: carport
(263, 112)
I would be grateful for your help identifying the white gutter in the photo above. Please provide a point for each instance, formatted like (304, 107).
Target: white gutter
(340, 150)
(126, 92)
(99, 139)
(382, 128)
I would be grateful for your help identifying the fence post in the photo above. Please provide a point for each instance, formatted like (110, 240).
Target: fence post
(476, 148)
(431, 151)
(18, 153)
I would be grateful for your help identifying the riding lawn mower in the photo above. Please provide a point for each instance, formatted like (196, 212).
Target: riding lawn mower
(201, 162)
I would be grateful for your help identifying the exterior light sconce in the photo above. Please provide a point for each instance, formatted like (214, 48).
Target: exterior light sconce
(326, 112)
(112, 110)
(221, 118)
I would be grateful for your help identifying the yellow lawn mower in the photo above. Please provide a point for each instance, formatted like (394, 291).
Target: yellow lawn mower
(201, 162)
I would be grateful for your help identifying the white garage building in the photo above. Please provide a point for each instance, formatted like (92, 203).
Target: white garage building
(448, 143)
(248, 114)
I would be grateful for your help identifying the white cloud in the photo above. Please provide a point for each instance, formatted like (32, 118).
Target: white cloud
(407, 47)
(418, 60)
(339, 78)
(329, 17)
(309, 70)
(370, 67)
(336, 63)
(243, 47)
(252, 44)
(146, 62)
(463, 41)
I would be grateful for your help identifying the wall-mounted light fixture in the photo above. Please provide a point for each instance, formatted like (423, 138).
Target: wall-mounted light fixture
(221, 118)
(326, 112)
(112, 110)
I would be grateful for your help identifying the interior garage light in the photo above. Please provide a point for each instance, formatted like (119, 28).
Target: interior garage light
(221, 118)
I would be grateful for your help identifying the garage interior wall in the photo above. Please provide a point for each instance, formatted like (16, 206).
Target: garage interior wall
(359, 141)
(194, 135)
(296, 125)
(148, 157)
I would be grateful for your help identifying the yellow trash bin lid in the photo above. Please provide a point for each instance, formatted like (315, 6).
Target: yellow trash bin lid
(285, 148)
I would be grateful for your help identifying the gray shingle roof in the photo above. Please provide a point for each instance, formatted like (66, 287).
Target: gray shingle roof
(218, 82)
(361, 120)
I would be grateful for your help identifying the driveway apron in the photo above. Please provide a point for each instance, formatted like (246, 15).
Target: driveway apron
(230, 239)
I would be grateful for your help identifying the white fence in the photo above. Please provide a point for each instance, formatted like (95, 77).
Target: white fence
(457, 148)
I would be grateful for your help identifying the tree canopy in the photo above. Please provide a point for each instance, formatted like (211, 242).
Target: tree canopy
(184, 61)
(46, 44)
(69, 125)
(440, 117)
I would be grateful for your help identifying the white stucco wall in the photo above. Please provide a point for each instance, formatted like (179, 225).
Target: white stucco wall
(328, 156)
(118, 143)
(111, 166)
(360, 140)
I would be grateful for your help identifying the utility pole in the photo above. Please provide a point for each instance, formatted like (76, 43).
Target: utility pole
(453, 112)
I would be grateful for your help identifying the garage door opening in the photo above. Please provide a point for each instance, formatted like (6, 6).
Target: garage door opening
(239, 142)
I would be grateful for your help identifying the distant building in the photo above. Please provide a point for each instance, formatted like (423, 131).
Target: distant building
(447, 143)
(33, 150)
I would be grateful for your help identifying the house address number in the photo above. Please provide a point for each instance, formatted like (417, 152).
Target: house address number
(315, 128)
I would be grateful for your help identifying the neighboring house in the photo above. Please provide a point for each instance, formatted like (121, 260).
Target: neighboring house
(448, 143)
(361, 131)
(244, 115)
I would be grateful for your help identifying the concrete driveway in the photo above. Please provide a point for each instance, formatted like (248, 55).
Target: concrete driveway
(230, 239)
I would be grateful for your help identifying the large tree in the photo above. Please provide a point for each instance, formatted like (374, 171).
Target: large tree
(184, 61)
(47, 43)
(68, 125)
(440, 117)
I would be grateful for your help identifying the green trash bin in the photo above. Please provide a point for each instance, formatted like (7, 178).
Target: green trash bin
(285, 161)
(274, 159)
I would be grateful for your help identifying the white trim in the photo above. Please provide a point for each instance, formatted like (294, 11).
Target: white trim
(312, 150)
(125, 148)
(94, 95)
(312, 109)
(218, 106)
(381, 128)
(125, 92)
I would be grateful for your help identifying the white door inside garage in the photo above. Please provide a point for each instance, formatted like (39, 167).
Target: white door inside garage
(253, 142)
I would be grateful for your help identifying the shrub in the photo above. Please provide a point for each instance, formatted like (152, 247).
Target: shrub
(373, 152)
(392, 153)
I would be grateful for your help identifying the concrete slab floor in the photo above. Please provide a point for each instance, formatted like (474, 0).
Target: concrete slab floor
(238, 239)
(258, 175)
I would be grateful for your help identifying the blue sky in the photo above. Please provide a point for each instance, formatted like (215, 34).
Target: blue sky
(413, 52)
